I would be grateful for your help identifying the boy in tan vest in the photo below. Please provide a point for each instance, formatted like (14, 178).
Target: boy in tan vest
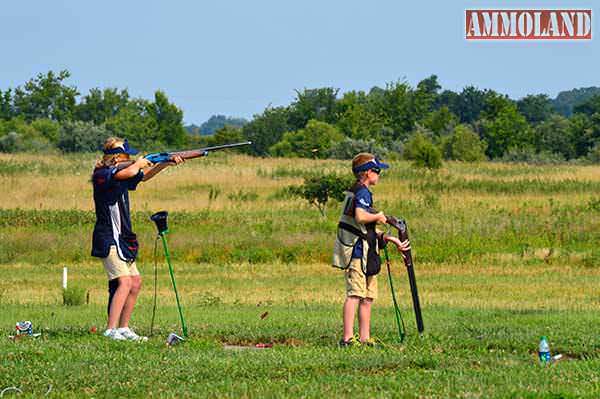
(357, 248)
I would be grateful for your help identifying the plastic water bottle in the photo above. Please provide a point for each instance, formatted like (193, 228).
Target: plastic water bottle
(544, 351)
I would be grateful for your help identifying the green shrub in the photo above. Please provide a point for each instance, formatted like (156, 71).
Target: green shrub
(348, 148)
(317, 189)
(594, 154)
(11, 142)
(47, 128)
(314, 141)
(530, 156)
(82, 137)
(464, 145)
(18, 135)
(74, 296)
(226, 135)
(423, 152)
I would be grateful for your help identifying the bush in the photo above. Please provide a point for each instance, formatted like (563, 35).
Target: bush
(15, 142)
(317, 189)
(74, 296)
(314, 141)
(47, 128)
(18, 135)
(82, 137)
(348, 148)
(594, 154)
(423, 152)
(11, 142)
(226, 135)
(530, 156)
(464, 145)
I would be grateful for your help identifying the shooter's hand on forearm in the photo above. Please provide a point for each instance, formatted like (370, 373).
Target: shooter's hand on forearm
(153, 171)
(175, 160)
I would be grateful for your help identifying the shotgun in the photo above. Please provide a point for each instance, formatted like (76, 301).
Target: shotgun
(162, 157)
(400, 225)
(159, 157)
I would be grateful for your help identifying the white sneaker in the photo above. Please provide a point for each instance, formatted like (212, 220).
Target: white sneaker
(129, 334)
(113, 333)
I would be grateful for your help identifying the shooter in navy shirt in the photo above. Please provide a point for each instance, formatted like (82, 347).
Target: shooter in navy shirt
(363, 199)
(114, 240)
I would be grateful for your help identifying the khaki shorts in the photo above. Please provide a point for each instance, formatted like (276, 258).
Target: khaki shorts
(117, 267)
(357, 284)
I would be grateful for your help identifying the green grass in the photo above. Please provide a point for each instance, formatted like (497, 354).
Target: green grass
(482, 329)
(503, 254)
(466, 352)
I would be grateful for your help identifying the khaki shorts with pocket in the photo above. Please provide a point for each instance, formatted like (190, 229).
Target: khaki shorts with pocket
(117, 267)
(357, 284)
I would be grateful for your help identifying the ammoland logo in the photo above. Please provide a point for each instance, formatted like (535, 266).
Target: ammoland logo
(536, 24)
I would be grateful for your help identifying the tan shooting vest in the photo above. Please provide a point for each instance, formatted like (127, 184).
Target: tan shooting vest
(345, 239)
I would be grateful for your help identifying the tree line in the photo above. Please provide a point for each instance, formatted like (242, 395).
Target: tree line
(46, 113)
(423, 123)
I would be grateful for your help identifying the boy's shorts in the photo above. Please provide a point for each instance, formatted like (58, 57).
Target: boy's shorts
(117, 267)
(357, 284)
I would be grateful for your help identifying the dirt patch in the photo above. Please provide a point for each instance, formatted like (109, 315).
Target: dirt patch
(247, 347)
(260, 343)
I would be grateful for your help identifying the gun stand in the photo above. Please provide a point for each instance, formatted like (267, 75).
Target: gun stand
(399, 319)
(160, 219)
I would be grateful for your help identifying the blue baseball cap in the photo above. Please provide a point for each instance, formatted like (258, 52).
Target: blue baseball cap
(125, 149)
(372, 164)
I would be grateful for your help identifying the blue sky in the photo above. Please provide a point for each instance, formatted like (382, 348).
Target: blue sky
(237, 57)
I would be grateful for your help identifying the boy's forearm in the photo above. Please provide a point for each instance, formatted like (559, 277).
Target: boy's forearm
(364, 217)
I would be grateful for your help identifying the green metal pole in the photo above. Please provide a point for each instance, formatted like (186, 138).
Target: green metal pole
(399, 321)
(164, 241)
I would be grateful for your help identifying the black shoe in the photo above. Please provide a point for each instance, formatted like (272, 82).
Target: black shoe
(351, 342)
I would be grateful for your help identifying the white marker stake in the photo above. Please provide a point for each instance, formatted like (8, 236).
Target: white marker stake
(64, 278)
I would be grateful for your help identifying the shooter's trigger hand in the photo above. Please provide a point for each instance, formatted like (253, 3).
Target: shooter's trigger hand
(142, 163)
(381, 218)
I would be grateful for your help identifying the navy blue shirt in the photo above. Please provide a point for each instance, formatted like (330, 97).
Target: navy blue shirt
(362, 199)
(113, 220)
